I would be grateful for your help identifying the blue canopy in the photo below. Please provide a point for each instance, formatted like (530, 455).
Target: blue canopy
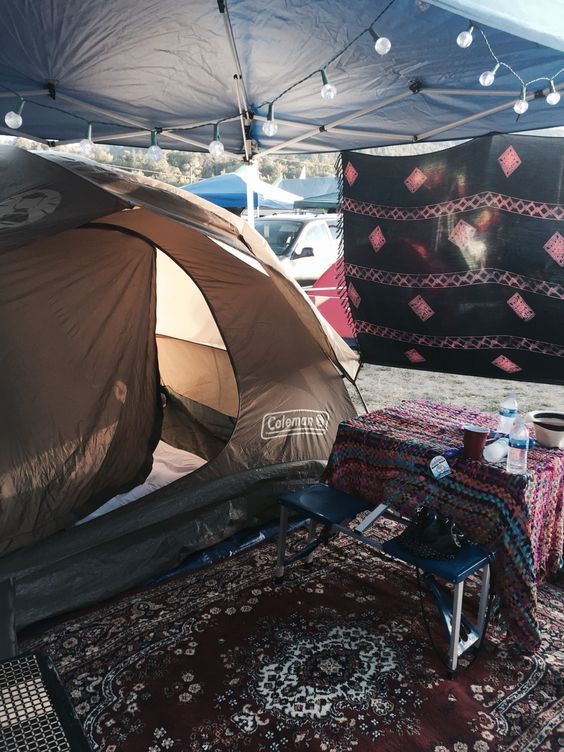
(230, 191)
(540, 21)
(324, 201)
(307, 187)
(129, 68)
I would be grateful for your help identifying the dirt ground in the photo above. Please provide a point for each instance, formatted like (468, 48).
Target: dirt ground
(382, 385)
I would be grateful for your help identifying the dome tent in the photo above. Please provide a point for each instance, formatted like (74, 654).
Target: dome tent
(112, 285)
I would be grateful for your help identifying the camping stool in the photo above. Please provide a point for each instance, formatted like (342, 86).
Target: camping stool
(470, 559)
(319, 503)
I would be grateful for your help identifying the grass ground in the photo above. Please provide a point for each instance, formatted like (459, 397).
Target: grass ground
(382, 385)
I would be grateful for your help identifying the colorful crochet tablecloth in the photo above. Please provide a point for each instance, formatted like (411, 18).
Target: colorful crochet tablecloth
(385, 454)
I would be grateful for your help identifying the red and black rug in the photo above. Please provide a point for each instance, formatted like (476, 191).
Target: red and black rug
(335, 659)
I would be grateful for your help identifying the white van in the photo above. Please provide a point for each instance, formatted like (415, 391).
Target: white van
(304, 243)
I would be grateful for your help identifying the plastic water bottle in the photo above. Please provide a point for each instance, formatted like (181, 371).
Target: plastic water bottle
(507, 413)
(518, 447)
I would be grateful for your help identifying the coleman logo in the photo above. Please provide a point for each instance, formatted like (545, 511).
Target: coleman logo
(294, 423)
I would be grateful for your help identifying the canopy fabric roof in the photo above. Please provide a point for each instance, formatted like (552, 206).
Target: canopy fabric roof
(325, 201)
(132, 67)
(230, 191)
(541, 21)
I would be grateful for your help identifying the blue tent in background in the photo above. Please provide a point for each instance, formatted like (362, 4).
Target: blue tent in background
(230, 191)
(324, 201)
(308, 187)
(185, 69)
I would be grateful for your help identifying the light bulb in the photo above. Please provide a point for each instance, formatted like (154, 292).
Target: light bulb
(86, 146)
(487, 78)
(465, 38)
(154, 153)
(269, 128)
(521, 106)
(13, 120)
(216, 148)
(328, 91)
(383, 45)
(553, 97)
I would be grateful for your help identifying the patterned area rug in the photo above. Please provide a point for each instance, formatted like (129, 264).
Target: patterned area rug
(335, 659)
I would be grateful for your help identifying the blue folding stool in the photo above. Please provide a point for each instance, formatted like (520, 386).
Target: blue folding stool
(321, 504)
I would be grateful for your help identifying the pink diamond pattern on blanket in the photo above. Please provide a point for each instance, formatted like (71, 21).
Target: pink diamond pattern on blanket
(415, 180)
(462, 343)
(462, 234)
(457, 279)
(354, 297)
(521, 307)
(350, 173)
(466, 203)
(414, 357)
(506, 364)
(377, 238)
(421, 308)
(555, 247)
(509, 161)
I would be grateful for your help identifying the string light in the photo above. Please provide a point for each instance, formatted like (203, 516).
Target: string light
(488, 77)
(465, 38)
(328, 91)
(382, 45)
(13, 119)
(521, 105)
(154, 152)
(270, 126)
(86, 146)
(553, 97)
(215, 147)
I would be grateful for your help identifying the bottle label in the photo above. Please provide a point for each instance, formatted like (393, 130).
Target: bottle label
(507, 412)
(439, 467)
(518, 443)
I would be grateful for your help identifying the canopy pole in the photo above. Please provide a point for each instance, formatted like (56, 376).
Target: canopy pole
(340, 121)
(477, 115)
(252, 173)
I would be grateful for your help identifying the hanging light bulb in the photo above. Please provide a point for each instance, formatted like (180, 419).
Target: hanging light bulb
(215, 147)
(465, 38)
(488, 77)
(86, 146)
(13, 119)
(521, 105)
(154, 152)
(382, 45)
(270, 126)
(328, 91)
(553, 97)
